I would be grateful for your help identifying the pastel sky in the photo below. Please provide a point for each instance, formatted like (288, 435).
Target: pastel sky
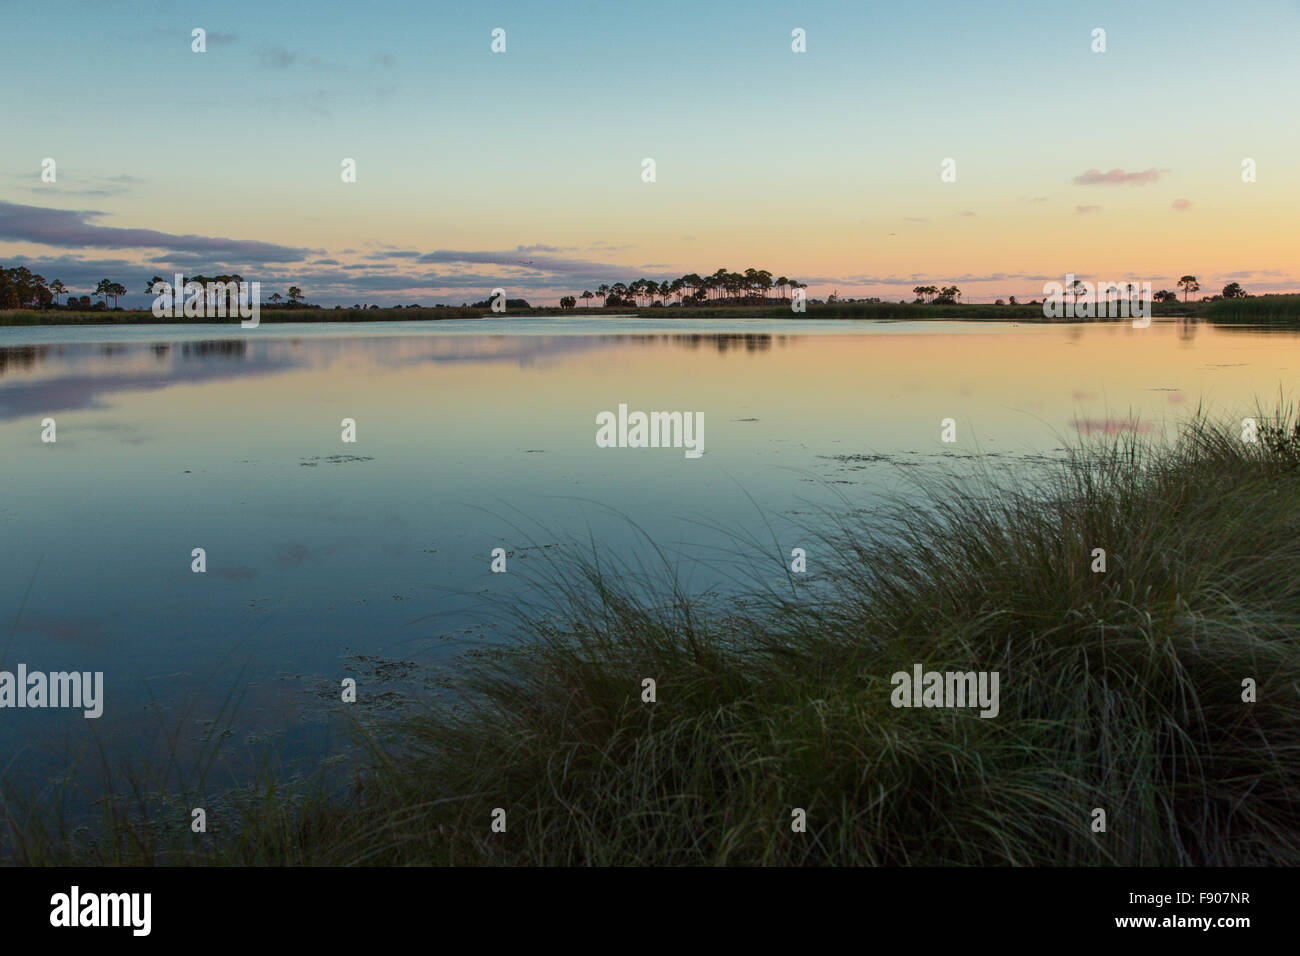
(524, 169)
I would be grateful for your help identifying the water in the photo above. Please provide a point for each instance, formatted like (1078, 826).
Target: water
(371, 560)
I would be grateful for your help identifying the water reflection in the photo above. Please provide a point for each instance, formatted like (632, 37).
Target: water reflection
(320, 551)
(83, 375)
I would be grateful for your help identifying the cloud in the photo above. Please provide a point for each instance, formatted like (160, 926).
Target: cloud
(543, 248)
(582, 268)
(395, 254)
(1182, 204)
(1117, 177)
(276, 57)
(1083, 210)
(921, 279)
(81, 184)
(101, 193)
(70, 228)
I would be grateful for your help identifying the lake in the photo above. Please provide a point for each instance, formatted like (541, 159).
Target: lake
(327, 559)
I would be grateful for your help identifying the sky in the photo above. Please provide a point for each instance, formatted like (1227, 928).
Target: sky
(524, 169)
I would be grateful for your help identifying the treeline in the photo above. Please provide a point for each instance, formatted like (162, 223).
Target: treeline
(754, 286)
(723, 287)
(293, 299)
(20, 288)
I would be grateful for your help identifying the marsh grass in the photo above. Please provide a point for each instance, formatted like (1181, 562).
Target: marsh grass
(1120, 690)
(1255, 310)
(865, 311)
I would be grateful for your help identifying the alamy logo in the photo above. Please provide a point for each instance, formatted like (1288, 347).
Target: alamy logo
(652, 430)
(193, 300)
(102, 909)
(946, 689)
(57, 689)
(1076, 299)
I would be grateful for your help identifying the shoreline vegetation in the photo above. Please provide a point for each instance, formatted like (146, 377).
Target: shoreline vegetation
(1121, 690)
(1266, 309)
(27, 298)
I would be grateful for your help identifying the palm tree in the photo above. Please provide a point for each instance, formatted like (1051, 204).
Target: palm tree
(602, 293)
(588, 295)
(1189, 284)
(57, 288)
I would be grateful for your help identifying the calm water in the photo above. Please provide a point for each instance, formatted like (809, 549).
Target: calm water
(371, 560)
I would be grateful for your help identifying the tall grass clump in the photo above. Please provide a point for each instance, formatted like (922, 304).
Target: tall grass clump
(1256, 309)
(1121, 690)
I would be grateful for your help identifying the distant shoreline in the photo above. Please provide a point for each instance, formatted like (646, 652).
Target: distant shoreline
(1270, 309)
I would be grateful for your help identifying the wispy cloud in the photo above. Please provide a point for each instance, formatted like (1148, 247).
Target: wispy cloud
(1117, 177)
(277, 57)
(73, 183)
(583, 268)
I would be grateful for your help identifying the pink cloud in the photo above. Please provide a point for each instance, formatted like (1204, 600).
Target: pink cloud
(1117, 177)
(1182, 204)
(1086, 209)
